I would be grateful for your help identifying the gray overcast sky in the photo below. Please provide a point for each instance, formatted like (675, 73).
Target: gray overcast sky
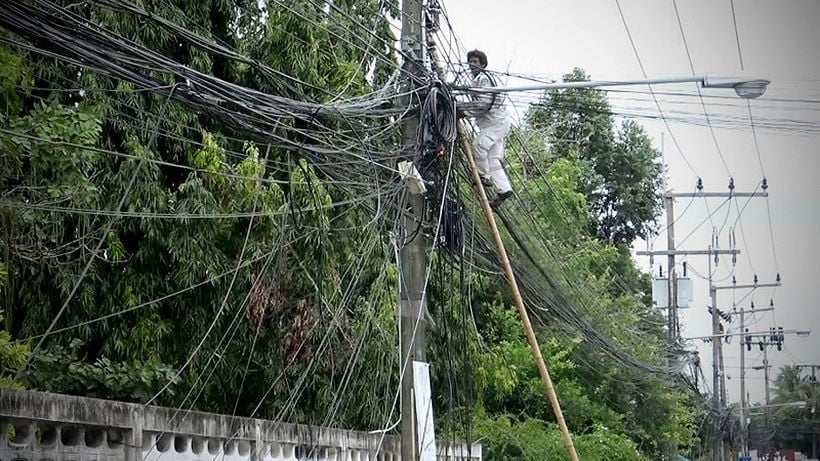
(778, 41)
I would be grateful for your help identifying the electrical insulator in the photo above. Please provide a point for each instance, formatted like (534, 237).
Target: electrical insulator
(772, 335)
(660, 271)
(684, 268)
(765, 184)
(780, 336)
(748, 339)
(731, 184)
(755, 279)
(699, 184)
(761, 345)
(734, 280)
(771, 303)
(778, 277)
(753, 305)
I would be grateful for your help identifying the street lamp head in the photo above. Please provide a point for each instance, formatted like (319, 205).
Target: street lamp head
(745, 88)
(804, 334)
(751, 89)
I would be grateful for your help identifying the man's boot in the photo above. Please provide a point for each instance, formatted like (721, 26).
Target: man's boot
(500, 198)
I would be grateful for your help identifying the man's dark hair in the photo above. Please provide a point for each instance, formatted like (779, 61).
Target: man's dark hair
(482, 57)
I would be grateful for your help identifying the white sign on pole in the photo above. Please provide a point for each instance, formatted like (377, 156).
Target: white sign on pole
(424, 411)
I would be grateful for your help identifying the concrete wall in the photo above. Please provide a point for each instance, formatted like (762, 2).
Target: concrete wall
(38, 426)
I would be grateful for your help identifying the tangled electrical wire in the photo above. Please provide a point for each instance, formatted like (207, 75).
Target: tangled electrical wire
(439, 110)
(82, 43)
(552, 296)
(349, 139)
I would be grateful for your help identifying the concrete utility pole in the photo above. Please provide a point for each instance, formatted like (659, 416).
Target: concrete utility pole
(672, 285)
(413, 256)
(744, 438)
(765, 368)
(773, 337)
(744, 449)
(718, 394)
(766, 379)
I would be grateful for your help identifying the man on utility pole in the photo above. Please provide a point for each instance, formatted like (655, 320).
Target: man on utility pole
(493, 123)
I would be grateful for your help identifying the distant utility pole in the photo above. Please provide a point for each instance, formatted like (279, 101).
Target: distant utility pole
(814, 428)
(766, 367)
(413, 258)
(719, 389)
(744, 428)
(734, 286)
(716, 343)
(774, 337)
(719, 376)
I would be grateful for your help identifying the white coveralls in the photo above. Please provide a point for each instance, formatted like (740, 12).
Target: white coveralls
(493, 126)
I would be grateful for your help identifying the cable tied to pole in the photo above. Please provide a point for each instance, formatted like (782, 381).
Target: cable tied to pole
(440, 111)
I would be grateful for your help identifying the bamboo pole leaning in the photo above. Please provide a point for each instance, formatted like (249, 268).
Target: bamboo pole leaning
(466, 148)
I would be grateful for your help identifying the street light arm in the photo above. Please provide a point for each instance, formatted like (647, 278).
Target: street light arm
(581, 84)
(745, 88)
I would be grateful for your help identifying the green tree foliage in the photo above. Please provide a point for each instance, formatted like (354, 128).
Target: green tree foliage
(622, 177)
(628, 412)
(790, 422)
(597, 393)
(12, 355)
(507, 438)
(229, 280)
(217, 310)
